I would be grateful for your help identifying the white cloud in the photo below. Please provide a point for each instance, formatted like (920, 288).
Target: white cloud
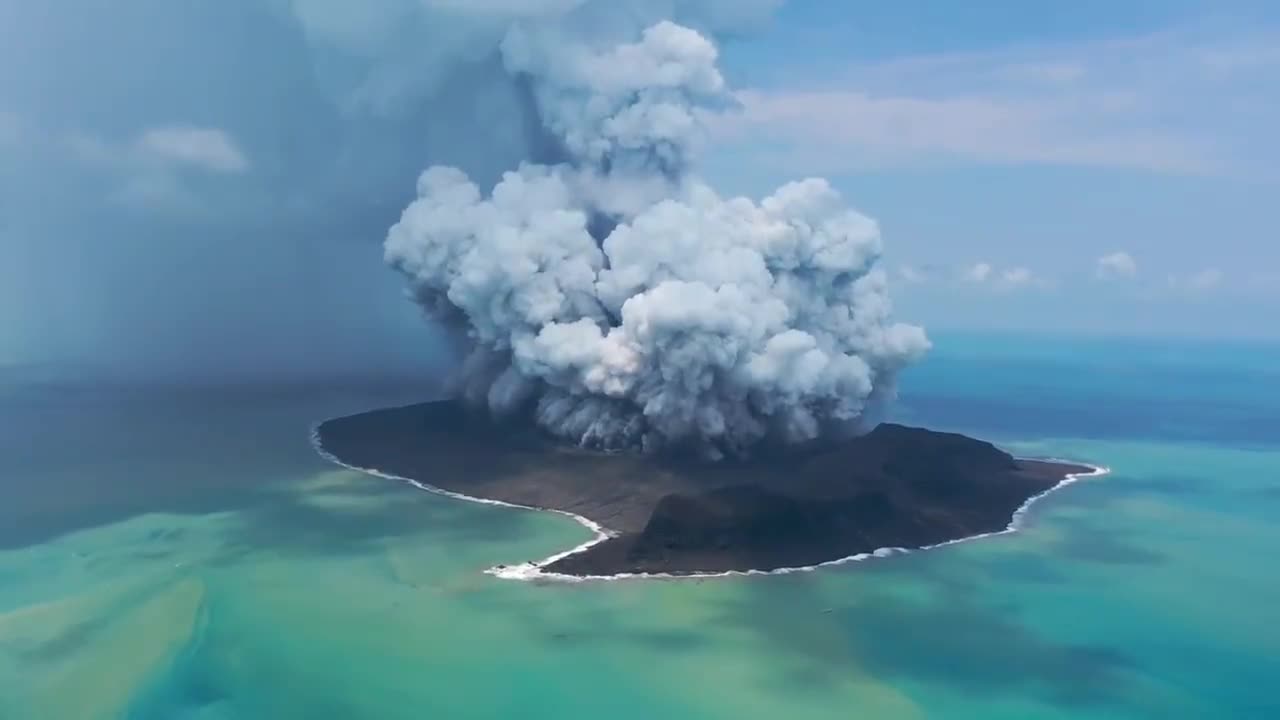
(978, 273)
(842, 129)
(159, 169)
(1116, 264)
(201, 149)
(1011, 278)
(208, 149)
(1151, 103)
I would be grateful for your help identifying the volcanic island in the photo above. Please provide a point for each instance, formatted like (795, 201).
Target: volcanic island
(893, 487)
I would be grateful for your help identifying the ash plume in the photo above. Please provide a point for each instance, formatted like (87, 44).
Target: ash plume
(607, 288)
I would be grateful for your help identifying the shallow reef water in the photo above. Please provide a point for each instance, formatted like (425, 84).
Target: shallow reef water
(186, 555)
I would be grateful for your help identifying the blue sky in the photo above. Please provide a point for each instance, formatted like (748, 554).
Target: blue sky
(1007, 148)
(204, 186)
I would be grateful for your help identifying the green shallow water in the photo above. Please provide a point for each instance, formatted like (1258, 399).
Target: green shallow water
(278, 586)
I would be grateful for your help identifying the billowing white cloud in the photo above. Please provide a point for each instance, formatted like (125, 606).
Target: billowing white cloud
(409, 46)
(1116, 264)
(621, 296)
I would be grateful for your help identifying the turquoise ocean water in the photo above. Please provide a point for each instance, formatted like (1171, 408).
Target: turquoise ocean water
(183, 554)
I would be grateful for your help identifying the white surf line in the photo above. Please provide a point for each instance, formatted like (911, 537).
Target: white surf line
(602, 533)
(533, 571)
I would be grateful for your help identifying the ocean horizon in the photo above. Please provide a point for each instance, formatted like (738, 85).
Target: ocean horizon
(183, 552)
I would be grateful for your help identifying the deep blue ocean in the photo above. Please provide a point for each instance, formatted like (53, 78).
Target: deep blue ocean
(182, 553)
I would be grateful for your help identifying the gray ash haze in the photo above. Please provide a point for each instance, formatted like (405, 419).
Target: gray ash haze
(202, 189)
(603, 283)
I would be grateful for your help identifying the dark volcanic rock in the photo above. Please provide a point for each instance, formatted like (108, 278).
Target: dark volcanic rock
(893, 487)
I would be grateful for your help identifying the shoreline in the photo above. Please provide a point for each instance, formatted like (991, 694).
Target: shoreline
(533, 572)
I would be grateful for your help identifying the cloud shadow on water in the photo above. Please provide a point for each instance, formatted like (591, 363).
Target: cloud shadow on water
(979, 650)
(946, 640)
(367, 510)
(1093, 541)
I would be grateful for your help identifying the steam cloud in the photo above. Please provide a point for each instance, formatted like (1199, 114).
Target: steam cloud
(607, 287)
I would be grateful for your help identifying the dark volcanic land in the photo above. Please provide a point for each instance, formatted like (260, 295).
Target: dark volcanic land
(896, 486)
